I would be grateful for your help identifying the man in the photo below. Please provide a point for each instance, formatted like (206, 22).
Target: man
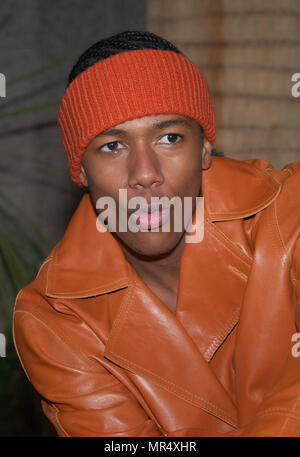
(151, 332)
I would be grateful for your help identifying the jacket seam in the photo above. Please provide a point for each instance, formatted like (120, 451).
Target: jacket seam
(290, 170)
(36, 276)
(276, 235)
(292, 414)
(228, 327)
(49, 269)
(241, 275)
(127, 299)
(17, 351)
(264, 171)
(254, 225)
(218, 234)
(278, 229)
(44, 263)
(209, 407)
(293, 276)
(101, 290)
(57, 411)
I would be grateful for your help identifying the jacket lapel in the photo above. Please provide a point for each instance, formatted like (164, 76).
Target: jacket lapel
(213, 277)
(85, 262)
(148, 340)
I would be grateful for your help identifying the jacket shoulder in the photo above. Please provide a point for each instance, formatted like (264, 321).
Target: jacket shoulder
(37, 285)
(289, 174)
(288, 199)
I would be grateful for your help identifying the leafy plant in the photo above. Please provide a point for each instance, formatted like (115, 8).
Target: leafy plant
(22, 250)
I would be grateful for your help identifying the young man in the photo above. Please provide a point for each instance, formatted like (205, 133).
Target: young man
(141, 331)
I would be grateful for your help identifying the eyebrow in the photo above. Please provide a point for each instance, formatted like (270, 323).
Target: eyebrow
(159, 126)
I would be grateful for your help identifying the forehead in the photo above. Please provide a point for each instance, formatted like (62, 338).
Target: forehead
(153, 122)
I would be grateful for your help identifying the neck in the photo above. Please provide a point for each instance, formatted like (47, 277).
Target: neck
(160, 273)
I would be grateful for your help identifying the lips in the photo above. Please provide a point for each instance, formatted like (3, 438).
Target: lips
(150, 220)
(150, 216)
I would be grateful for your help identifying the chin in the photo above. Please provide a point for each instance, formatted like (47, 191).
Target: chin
(147, 244)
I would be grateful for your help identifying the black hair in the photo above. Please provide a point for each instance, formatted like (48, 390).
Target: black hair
(124, 41)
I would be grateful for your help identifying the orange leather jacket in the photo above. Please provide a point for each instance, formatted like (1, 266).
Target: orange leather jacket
(109, 359)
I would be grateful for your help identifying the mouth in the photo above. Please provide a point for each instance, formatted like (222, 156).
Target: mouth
(150, 220)
(150, 217)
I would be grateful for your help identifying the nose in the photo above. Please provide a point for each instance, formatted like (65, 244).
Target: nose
(144, 170)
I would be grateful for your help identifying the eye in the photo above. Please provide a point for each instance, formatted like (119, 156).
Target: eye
(170, 138)
(110, 147)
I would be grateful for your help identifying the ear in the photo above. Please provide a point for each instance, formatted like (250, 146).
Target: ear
(82, 177)
(206, 154)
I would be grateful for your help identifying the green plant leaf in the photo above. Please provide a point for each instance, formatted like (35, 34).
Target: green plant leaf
(6, 296)
(11, 208)
(14, 264)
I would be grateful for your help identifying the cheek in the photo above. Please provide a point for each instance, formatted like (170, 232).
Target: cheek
(103, 180)
(184, 177)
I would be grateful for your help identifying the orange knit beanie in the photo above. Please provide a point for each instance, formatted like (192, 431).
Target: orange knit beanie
(127, 86)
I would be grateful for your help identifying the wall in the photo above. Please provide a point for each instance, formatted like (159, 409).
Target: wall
(248, 52)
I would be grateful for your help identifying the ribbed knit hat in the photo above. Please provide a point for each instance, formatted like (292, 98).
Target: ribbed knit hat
(127, 86)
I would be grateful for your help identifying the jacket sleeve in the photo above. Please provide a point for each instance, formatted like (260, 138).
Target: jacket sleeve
(79, 396)
(279, 413)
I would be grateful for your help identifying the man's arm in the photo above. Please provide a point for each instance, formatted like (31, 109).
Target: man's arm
(279, 413)
(80, 397)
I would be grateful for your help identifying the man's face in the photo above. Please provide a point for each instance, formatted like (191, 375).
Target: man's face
(152, 156)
